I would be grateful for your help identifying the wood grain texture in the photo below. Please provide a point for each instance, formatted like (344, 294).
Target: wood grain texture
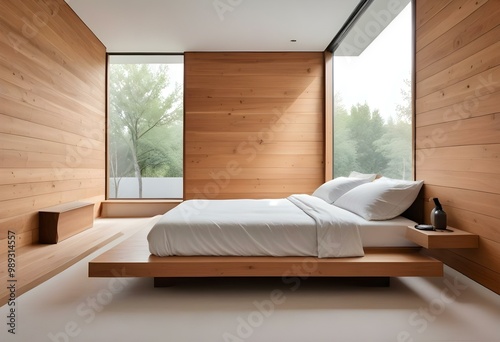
(52, 118)
(254, 124)
(428, 9)
(457, 125)
(454, 238)
(476, 45)
(136, 208)
(463, 94)
(480, 61)
(470, 107)
(479, 22)
(65, 220)
(449, 16)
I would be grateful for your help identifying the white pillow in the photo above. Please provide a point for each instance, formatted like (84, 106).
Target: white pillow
(382, 199)
(370, 176)
(332, 190)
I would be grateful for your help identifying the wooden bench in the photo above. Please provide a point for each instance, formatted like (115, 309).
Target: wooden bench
(62, 221)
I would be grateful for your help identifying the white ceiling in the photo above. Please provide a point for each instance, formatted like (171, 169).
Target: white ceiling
(214, 25)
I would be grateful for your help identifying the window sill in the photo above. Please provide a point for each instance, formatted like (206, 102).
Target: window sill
(136, 208)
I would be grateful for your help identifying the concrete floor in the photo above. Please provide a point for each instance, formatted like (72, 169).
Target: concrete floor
(73, 307)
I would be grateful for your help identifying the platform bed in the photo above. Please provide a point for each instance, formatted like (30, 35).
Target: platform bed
(131, 258)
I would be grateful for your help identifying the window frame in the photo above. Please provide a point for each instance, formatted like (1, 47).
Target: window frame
(137, 55)
(357, 13)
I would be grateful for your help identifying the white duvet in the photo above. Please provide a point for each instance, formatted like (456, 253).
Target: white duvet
(300, 225)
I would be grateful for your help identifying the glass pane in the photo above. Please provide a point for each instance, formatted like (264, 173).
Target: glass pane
(145, 127)
(373, 97)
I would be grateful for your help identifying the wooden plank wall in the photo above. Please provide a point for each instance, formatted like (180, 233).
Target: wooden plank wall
(254, 124)
(52, 113)
(458, 124)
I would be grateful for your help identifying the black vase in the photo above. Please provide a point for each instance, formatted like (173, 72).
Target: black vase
(438, 216)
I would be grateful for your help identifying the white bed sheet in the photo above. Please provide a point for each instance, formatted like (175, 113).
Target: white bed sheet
(234, 227)
(300, 225)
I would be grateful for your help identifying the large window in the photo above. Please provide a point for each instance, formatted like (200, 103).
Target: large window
(372, 77)
(145, 126)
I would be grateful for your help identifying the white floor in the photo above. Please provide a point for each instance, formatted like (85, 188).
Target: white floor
(73, 307)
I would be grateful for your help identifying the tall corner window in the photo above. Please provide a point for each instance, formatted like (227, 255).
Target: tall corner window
(145, 126)
(372, 80)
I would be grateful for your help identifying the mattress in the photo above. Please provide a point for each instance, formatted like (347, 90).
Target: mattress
(300, 225)
(389, 233)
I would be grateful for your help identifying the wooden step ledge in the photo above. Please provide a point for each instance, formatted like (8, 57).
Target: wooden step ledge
(39, 262)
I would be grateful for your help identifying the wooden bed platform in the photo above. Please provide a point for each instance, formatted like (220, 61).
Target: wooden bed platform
(131, 258)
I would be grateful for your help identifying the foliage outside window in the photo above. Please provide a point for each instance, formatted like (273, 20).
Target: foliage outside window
(373, 97)
(145, 127)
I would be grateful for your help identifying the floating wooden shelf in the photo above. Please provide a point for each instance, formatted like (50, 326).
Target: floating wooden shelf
(442, 239)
